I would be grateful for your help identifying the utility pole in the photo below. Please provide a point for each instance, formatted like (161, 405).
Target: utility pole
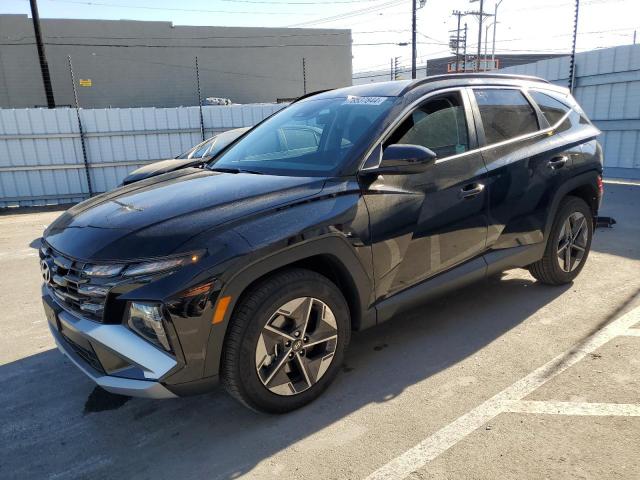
(486, 36)
(396, 68)
(634, 36)
(495, 25)
(454, 42)
(414, 28)
(391, 70)
(572, 61)
(479, 35)
(480, 14)
(44, 66)
(464, 62)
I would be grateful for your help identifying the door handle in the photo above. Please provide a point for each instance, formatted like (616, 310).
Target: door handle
(557, 162)
(471, 190)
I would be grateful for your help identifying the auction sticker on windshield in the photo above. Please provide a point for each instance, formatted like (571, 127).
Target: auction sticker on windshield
(364, 100)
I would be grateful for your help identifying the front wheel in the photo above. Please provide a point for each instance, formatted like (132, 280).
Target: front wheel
(286, 341)
(568, 245)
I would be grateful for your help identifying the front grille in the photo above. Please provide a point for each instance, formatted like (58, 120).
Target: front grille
(87, 354)
(72, 289)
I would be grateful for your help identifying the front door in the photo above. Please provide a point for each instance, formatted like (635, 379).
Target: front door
(425, 223)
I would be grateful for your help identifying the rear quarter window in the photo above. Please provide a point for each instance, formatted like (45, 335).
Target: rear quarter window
(505, 114)
(552, 109)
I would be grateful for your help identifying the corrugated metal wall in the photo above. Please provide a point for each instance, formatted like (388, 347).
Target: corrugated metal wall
(41, 161)
(608, 88)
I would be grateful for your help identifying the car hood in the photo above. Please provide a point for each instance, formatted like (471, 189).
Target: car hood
(157, 168)
(160, 215)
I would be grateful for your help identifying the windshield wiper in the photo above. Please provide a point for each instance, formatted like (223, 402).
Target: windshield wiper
(234, 170)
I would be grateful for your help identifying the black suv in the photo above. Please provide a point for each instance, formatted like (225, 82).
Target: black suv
(255, 269)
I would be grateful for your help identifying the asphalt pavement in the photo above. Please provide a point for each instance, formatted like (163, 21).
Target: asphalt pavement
(506, 378)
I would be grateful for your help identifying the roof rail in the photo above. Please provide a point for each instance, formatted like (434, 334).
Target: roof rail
(451, 76)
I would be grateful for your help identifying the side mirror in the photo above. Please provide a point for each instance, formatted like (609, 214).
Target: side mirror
(400, 159)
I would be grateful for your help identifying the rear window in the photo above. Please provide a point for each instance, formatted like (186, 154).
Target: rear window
(552, 109)
(505, 114)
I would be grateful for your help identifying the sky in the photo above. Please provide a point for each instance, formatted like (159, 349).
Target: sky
(379, 26)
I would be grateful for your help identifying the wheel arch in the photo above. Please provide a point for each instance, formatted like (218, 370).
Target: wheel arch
(584, 186)
(332, 257)
(588, 193)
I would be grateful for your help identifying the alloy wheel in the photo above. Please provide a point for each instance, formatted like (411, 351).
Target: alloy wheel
(572, 243)
(296, 346)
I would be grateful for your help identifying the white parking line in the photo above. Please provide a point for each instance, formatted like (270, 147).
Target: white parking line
(429, 448)
(632, 332)
(576, 408)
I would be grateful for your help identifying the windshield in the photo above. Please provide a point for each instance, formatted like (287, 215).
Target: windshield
(310, 138)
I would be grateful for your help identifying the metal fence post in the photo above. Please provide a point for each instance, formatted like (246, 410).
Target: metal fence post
(82, 139)
(304, 75)
(199, 100)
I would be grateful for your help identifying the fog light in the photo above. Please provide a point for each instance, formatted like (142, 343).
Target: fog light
(146, 320)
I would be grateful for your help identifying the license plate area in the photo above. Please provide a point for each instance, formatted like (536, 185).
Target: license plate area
(51, 311)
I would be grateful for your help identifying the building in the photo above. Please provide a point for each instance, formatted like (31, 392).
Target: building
(439, 66)
(122, 63)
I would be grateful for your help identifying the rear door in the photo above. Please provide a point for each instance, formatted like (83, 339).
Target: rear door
(525, 163)
(425, 223)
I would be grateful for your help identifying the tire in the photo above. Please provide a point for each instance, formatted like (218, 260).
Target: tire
(267, 330)
(554, 268)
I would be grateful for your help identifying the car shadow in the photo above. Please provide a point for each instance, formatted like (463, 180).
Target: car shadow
(52, 409)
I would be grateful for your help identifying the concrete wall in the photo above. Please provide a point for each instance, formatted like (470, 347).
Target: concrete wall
(607, 85)
(243, 64)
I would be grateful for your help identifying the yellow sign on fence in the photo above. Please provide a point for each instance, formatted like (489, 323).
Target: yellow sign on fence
(85, 82)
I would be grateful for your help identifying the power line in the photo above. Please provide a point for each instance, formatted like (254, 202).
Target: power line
(175, 9)
(353, 13)
(207, 37)
(189, 67)
(219, 47)
(299, 3)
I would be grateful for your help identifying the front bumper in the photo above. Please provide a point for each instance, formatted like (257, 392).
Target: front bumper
(111, 355)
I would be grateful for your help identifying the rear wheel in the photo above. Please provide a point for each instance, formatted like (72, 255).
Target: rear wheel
(286, 341)
(568, 245)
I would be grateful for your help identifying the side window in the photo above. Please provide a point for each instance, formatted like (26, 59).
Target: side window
(505, 114)
(438, 124)
(552, 109)
(203, 148)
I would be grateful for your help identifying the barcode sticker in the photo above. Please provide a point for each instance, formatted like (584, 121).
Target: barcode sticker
(364, 100)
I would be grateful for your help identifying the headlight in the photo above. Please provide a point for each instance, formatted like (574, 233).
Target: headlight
(160, 265)
(102, 270)
(146, 320)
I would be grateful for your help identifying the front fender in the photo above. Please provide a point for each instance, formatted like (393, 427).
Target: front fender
(334, 245)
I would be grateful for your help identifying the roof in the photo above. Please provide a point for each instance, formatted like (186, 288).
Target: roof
(401, 87)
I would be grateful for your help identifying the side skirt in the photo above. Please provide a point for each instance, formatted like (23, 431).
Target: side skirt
(464, 274)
